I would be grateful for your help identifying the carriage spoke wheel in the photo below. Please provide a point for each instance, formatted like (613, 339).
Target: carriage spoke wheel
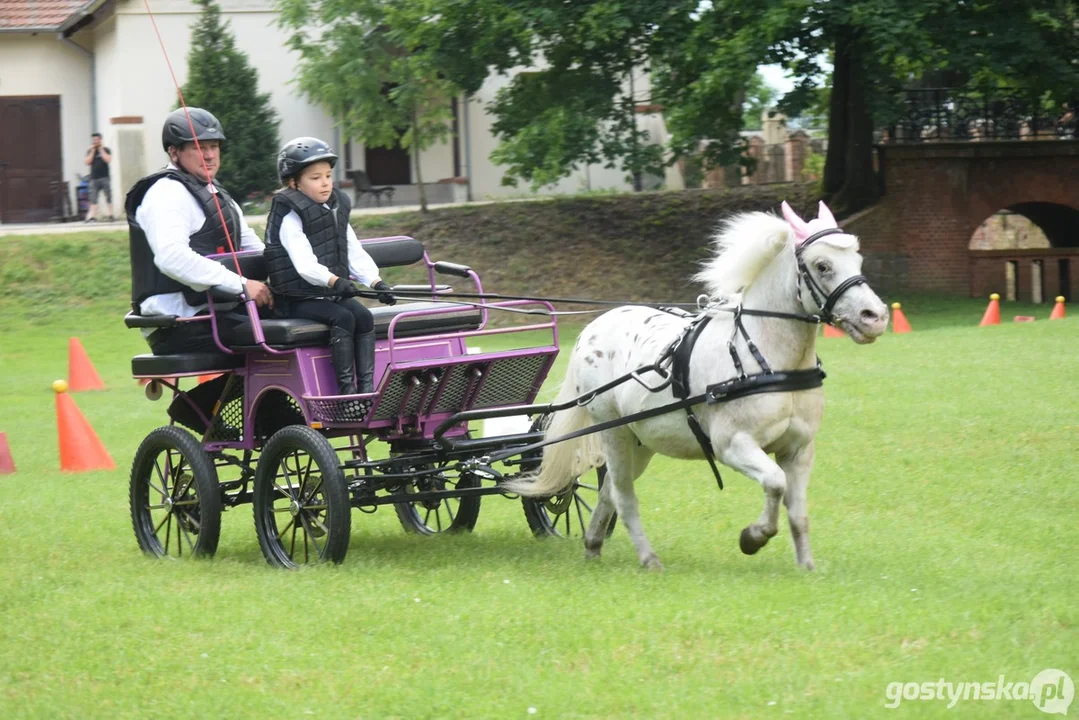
(567, 514)
(302, 513)
(175, 497)
(439, 515)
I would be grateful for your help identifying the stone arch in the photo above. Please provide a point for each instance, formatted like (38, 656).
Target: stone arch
(937, 194)
(1026, 251)
(1060, 223)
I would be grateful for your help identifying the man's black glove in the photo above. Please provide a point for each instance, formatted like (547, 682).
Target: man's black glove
(344, 287)
(384, 295)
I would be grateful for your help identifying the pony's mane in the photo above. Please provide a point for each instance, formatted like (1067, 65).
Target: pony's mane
(744, 245)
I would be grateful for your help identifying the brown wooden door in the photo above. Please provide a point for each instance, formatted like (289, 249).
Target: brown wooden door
(388, 166)
(30, 157)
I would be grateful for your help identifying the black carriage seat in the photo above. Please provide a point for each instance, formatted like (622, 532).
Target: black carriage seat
(281, 333)
(294, 332)
(284, 333)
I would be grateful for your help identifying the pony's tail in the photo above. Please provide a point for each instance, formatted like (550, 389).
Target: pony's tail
(563, 462)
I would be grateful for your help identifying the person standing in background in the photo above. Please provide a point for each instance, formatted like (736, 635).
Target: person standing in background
(98, 158)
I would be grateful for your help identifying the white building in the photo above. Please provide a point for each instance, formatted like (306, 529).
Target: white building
(69, 68)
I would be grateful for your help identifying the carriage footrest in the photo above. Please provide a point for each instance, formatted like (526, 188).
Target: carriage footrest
(339, 409)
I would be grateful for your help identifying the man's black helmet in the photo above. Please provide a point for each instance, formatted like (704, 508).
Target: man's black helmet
(177, 131)
(301, 152)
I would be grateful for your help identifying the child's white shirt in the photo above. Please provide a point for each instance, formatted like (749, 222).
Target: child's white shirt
(298, 247)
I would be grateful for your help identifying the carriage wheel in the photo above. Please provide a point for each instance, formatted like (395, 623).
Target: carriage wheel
(302, 513)
(568, 513)
(175, 497)
(442, 515)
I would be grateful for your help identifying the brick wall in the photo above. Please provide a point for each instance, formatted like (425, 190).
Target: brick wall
(936, 196)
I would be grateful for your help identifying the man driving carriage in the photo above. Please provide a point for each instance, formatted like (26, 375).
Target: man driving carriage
(174, 223)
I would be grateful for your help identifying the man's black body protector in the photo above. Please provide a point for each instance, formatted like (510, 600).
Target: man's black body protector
(210, 239)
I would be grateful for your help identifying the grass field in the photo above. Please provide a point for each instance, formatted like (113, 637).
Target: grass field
(943, 513)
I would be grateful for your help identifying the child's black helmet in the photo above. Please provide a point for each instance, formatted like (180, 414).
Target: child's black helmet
(301, 152)
(177, 131)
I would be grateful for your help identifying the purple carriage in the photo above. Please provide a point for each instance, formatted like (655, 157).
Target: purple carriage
(265, 424)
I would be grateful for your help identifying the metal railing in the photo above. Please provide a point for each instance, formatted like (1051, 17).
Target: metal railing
(963, 115)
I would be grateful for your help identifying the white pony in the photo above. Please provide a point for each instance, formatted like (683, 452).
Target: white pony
(756, 265)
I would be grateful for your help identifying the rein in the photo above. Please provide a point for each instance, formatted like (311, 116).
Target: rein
(464, 298)
(673, 365)
(825, 301)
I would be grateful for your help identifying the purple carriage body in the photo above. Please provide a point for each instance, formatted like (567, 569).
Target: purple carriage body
(280, 381)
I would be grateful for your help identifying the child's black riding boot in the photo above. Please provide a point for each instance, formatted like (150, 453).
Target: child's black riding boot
(343, 355)
(365, 361)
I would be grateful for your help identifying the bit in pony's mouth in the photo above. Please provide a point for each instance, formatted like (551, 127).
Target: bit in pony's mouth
(855, 332)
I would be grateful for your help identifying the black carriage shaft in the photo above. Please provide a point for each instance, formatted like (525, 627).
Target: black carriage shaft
(359, 500)
(427, 451)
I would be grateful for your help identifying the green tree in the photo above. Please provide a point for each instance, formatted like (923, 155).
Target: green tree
(221, 80)
(876, 48)
(577, 105)
(580, 104)
(760, 96)
(375, 67)
(587, 74)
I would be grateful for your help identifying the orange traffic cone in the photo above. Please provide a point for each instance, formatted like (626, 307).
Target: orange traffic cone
(80, 447)
(81, 374)
(832, 331)
(899, 320)
(1058, 309)
(7, 463)
(208, 378)
(992, 313)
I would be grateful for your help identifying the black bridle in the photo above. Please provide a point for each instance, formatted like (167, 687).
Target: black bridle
(825, 301)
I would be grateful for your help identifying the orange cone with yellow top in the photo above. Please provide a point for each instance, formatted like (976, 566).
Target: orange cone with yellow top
(81, 374)
(992, 313)
(1058, 309)
(80, 448)
(832, 331)
(899, 320)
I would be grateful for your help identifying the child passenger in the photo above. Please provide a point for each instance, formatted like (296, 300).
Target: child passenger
(311, 250)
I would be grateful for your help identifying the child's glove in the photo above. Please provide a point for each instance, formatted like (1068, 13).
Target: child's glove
(344, 287)
(384, 295)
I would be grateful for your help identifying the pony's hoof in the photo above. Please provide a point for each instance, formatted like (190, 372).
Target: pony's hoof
(652, 563)
(592, 555)
(749, 544)
(808, 566)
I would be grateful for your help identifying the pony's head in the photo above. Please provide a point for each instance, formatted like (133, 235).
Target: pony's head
(830, 266)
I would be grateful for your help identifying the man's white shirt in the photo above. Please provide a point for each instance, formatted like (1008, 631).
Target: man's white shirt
(169, 215)
(298, 247)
